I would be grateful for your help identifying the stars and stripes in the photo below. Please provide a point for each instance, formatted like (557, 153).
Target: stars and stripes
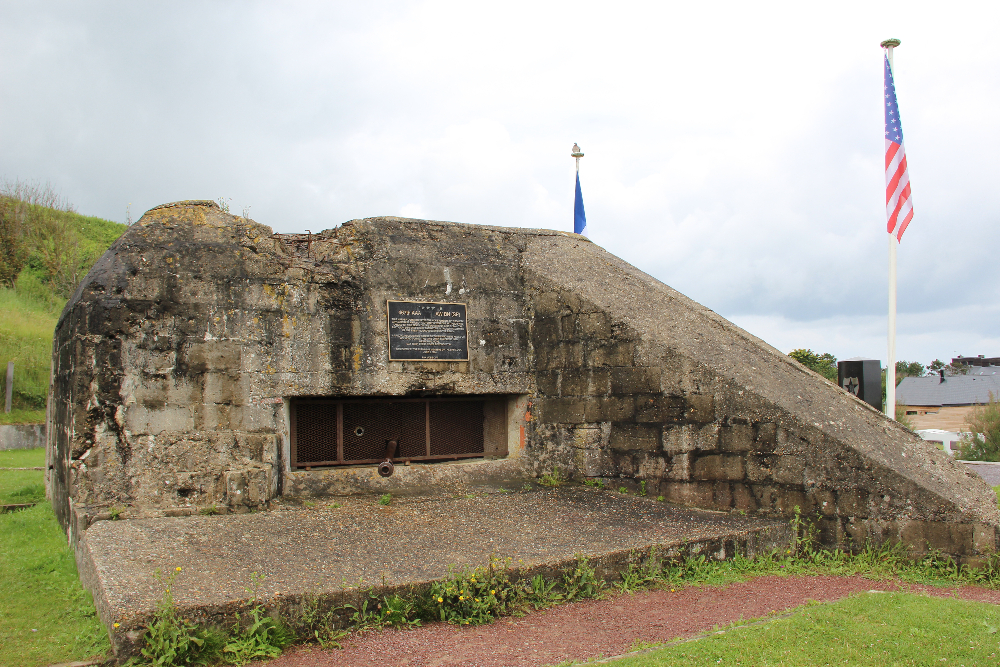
(898, 205)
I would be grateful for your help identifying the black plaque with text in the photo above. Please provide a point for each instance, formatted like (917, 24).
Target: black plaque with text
(435, 331)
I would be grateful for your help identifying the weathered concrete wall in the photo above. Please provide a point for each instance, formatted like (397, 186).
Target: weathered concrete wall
(174, 360)
(22, 436)
(645, 384)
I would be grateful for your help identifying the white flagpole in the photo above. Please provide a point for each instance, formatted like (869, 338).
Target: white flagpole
(890, 370)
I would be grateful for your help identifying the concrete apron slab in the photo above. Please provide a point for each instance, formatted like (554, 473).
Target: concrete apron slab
(342, 547)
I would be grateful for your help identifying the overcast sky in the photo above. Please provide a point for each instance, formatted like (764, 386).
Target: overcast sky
(733, 150)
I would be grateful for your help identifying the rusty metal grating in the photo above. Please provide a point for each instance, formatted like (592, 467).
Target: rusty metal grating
(316, 431)
(343, 432)
(456, 427)
(368, 425)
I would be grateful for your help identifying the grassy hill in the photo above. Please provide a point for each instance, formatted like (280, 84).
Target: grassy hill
(46, 249)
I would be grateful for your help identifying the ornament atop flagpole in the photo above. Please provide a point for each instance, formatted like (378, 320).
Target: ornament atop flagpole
(579, 216)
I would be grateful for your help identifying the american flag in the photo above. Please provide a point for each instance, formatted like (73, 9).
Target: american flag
(898, 205)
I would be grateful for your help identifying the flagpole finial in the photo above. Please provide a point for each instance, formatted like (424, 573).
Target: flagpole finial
(577, 153)
(890, 43)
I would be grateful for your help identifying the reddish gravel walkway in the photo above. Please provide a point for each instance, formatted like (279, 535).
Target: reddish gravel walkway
(596, 628)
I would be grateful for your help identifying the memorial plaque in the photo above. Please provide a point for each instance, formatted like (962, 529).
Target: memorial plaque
(435, 331)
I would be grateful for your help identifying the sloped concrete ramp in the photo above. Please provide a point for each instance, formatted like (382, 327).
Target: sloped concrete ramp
(342, 546)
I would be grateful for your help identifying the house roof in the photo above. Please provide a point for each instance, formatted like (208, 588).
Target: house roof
(952, 390)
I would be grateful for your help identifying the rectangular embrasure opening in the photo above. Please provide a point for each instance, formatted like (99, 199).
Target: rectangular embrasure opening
(332, 432)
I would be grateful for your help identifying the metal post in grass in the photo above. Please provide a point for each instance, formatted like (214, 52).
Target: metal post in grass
(9, 385)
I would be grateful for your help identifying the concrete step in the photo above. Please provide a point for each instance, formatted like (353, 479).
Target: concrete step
(342, 546)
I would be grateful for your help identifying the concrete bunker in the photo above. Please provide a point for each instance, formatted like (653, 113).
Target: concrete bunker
(208, 362)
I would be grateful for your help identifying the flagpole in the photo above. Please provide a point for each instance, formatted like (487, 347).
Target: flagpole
(890, 370)
(579, 217)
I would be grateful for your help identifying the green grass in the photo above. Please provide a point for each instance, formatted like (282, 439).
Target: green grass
(26, 326)
(22, 458)
(22, 416)
(22, 486)
(865, 629)
(30, 309)
(45, 615)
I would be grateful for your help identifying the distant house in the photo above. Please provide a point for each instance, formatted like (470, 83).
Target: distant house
(980, 361)
(944, 402)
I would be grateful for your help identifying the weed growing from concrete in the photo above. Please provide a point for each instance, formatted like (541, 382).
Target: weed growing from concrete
(581, 582)
(208, 511)
(392, 610)
(262, 638)
(385, 499)
(314, 623)
(540, 592)
(172, 640)
(622, 489)
(553, 478)
(642, 488)
(644, 573)
(597, 483)
(476, 596)
(661, 499)
(116, 512)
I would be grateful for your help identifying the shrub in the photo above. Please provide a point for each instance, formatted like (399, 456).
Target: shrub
(984, 441)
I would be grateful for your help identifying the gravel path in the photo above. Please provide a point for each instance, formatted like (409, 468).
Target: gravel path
(594, 628)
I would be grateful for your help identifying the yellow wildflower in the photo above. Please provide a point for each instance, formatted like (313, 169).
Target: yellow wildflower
(178, 569)
(461, 597)
(493, 592)
(440, 599)
(117, 624)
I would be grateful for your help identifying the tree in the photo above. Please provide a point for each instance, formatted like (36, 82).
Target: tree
(950, 370)
(908, 369)
(984, 441)
(825, 364)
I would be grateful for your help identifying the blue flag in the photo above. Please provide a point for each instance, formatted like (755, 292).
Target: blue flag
(579, 217)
